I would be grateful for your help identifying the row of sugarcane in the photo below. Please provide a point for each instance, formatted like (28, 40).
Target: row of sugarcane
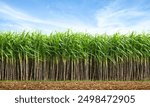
(29, 69)
(64, 56)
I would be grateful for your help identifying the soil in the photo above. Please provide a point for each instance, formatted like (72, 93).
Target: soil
(74, 85)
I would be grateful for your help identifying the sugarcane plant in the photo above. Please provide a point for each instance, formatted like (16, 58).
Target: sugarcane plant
(74, 56)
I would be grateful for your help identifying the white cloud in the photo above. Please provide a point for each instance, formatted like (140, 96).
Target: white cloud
(110, 19)
(114, 18)
(25, 21)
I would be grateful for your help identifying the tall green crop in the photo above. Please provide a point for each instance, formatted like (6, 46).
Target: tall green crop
(74, 56)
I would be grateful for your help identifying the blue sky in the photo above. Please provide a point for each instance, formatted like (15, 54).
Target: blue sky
(93, 16)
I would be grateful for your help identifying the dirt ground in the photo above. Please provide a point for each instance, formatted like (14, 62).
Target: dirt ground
(77, 85)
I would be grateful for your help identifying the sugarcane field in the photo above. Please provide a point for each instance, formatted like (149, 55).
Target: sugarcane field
(74, 60)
